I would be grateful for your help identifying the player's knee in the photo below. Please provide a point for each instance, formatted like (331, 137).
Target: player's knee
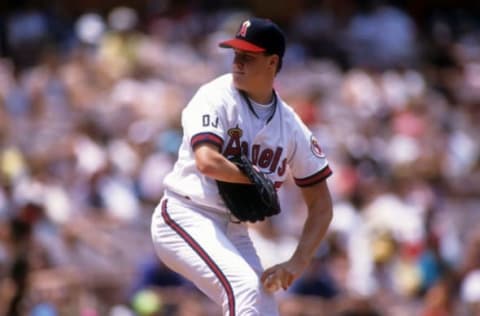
(250, 282)
(248, 295)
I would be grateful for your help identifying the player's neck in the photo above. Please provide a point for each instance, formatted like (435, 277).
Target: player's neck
(262, 97)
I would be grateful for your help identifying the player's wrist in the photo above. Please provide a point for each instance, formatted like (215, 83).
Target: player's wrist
(301, 261)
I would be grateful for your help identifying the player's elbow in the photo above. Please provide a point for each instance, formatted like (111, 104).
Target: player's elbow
(326, 209)
(205, 167)
(207, 164)
(328, 214)
(322, 214)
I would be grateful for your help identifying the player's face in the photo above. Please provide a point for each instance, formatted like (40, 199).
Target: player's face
(251, 70)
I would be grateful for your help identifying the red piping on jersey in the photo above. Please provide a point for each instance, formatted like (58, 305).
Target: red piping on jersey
(206, 137)
(315, 178)
(203, 255)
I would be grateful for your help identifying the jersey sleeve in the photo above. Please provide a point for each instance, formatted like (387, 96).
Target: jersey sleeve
(202, 121)
(309, 165)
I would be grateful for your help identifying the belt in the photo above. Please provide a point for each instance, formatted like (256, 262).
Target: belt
(187, 199)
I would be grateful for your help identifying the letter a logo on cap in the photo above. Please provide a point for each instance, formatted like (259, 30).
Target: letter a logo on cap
(243, 29)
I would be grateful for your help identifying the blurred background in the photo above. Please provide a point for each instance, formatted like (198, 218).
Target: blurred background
(90, 100)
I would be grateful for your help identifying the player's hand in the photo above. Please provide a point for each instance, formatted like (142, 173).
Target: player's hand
(282, 275)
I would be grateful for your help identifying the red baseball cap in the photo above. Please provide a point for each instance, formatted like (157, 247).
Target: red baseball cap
(258, 35)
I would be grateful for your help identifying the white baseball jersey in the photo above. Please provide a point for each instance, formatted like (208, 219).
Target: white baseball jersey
(221, 115)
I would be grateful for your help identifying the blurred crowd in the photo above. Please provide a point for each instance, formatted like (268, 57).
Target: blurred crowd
(90, 124)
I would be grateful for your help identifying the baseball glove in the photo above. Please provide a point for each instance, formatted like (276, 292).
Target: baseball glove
(249, 202)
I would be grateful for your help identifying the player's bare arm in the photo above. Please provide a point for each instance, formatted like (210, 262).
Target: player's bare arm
(319, 205)
(213, 164)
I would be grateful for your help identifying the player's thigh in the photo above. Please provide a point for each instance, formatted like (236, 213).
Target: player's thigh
(196, 246)
(238, 234)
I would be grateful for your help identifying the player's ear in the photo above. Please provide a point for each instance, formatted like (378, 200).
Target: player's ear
(273, 61)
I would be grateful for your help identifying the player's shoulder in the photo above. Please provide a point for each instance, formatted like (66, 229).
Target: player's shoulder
(286, 108)
(290, 117)
(219, 85)
(219, 92)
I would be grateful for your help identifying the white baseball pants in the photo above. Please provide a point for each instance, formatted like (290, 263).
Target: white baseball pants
(214, 253)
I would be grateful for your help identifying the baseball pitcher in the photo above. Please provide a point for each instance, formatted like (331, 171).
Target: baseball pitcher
(239, 139)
